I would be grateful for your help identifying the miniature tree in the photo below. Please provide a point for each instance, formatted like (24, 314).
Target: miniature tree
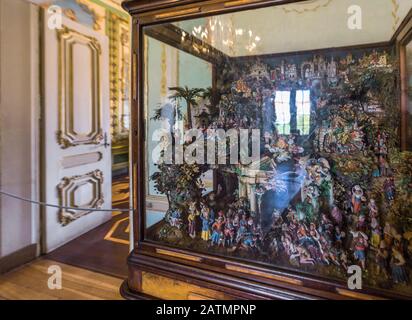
(190, 96)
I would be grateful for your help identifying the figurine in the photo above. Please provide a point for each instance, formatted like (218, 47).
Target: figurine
(339, 236)
(248, 240)
(326, 224)
(206, 222)
(388, 234)
(324, 186)
(398, 267)
(217, 233)
(383, 166)
(389, 189)
(360, 244)
(229, 233)
(343, 260)
(376, 232)
(361, 224)
(337, 216)
(242, 228)
(381, 259)
(376, 173)
(192, 224)
(373, 209)
(357, 194)
(236, 222)
(175, 220)
(304, 256)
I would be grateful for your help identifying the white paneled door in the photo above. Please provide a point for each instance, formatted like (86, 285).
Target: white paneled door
(76, 131)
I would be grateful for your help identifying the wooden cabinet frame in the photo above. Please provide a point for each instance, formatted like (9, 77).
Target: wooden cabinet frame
(237, 280)
(403, 38)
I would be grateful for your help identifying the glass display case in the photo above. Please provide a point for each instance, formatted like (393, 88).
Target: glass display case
(268, 148)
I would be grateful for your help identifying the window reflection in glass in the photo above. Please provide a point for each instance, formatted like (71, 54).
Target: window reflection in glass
(303, 111)
(282, 109)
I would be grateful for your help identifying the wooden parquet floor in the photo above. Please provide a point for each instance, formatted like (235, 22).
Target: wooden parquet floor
(30, 282)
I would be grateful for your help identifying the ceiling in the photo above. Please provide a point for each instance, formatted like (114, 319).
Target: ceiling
(314, 24)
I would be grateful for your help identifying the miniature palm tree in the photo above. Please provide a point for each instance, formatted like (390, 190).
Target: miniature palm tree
(213, 95)
(190, 96)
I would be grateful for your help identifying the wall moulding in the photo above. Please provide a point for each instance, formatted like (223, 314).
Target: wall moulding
(67, 136)
(69, 193)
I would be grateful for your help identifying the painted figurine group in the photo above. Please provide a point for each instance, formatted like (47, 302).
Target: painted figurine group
(338, 181)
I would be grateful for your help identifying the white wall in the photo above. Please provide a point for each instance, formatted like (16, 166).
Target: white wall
(19, 95)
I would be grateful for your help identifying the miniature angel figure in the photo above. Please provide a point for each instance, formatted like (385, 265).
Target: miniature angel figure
(398, 267)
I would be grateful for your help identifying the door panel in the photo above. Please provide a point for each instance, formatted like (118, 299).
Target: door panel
(76, 120)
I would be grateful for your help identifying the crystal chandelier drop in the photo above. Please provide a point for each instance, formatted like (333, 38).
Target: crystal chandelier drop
(222, 30)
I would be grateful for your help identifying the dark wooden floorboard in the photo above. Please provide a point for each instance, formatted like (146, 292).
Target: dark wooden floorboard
(91, 251)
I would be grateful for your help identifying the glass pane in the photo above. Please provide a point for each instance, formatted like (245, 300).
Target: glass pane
(264, 146)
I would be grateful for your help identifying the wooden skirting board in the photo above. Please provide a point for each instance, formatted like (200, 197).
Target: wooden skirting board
(18, 258)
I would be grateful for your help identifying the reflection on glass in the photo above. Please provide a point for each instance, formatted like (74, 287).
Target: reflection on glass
(261, 150)
(303, 111)
(282, 107)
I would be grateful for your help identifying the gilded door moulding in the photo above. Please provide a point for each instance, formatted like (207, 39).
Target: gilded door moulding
(70, 186)
(66, 135)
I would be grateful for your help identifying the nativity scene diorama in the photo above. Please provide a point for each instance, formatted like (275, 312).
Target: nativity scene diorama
(330, 188)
